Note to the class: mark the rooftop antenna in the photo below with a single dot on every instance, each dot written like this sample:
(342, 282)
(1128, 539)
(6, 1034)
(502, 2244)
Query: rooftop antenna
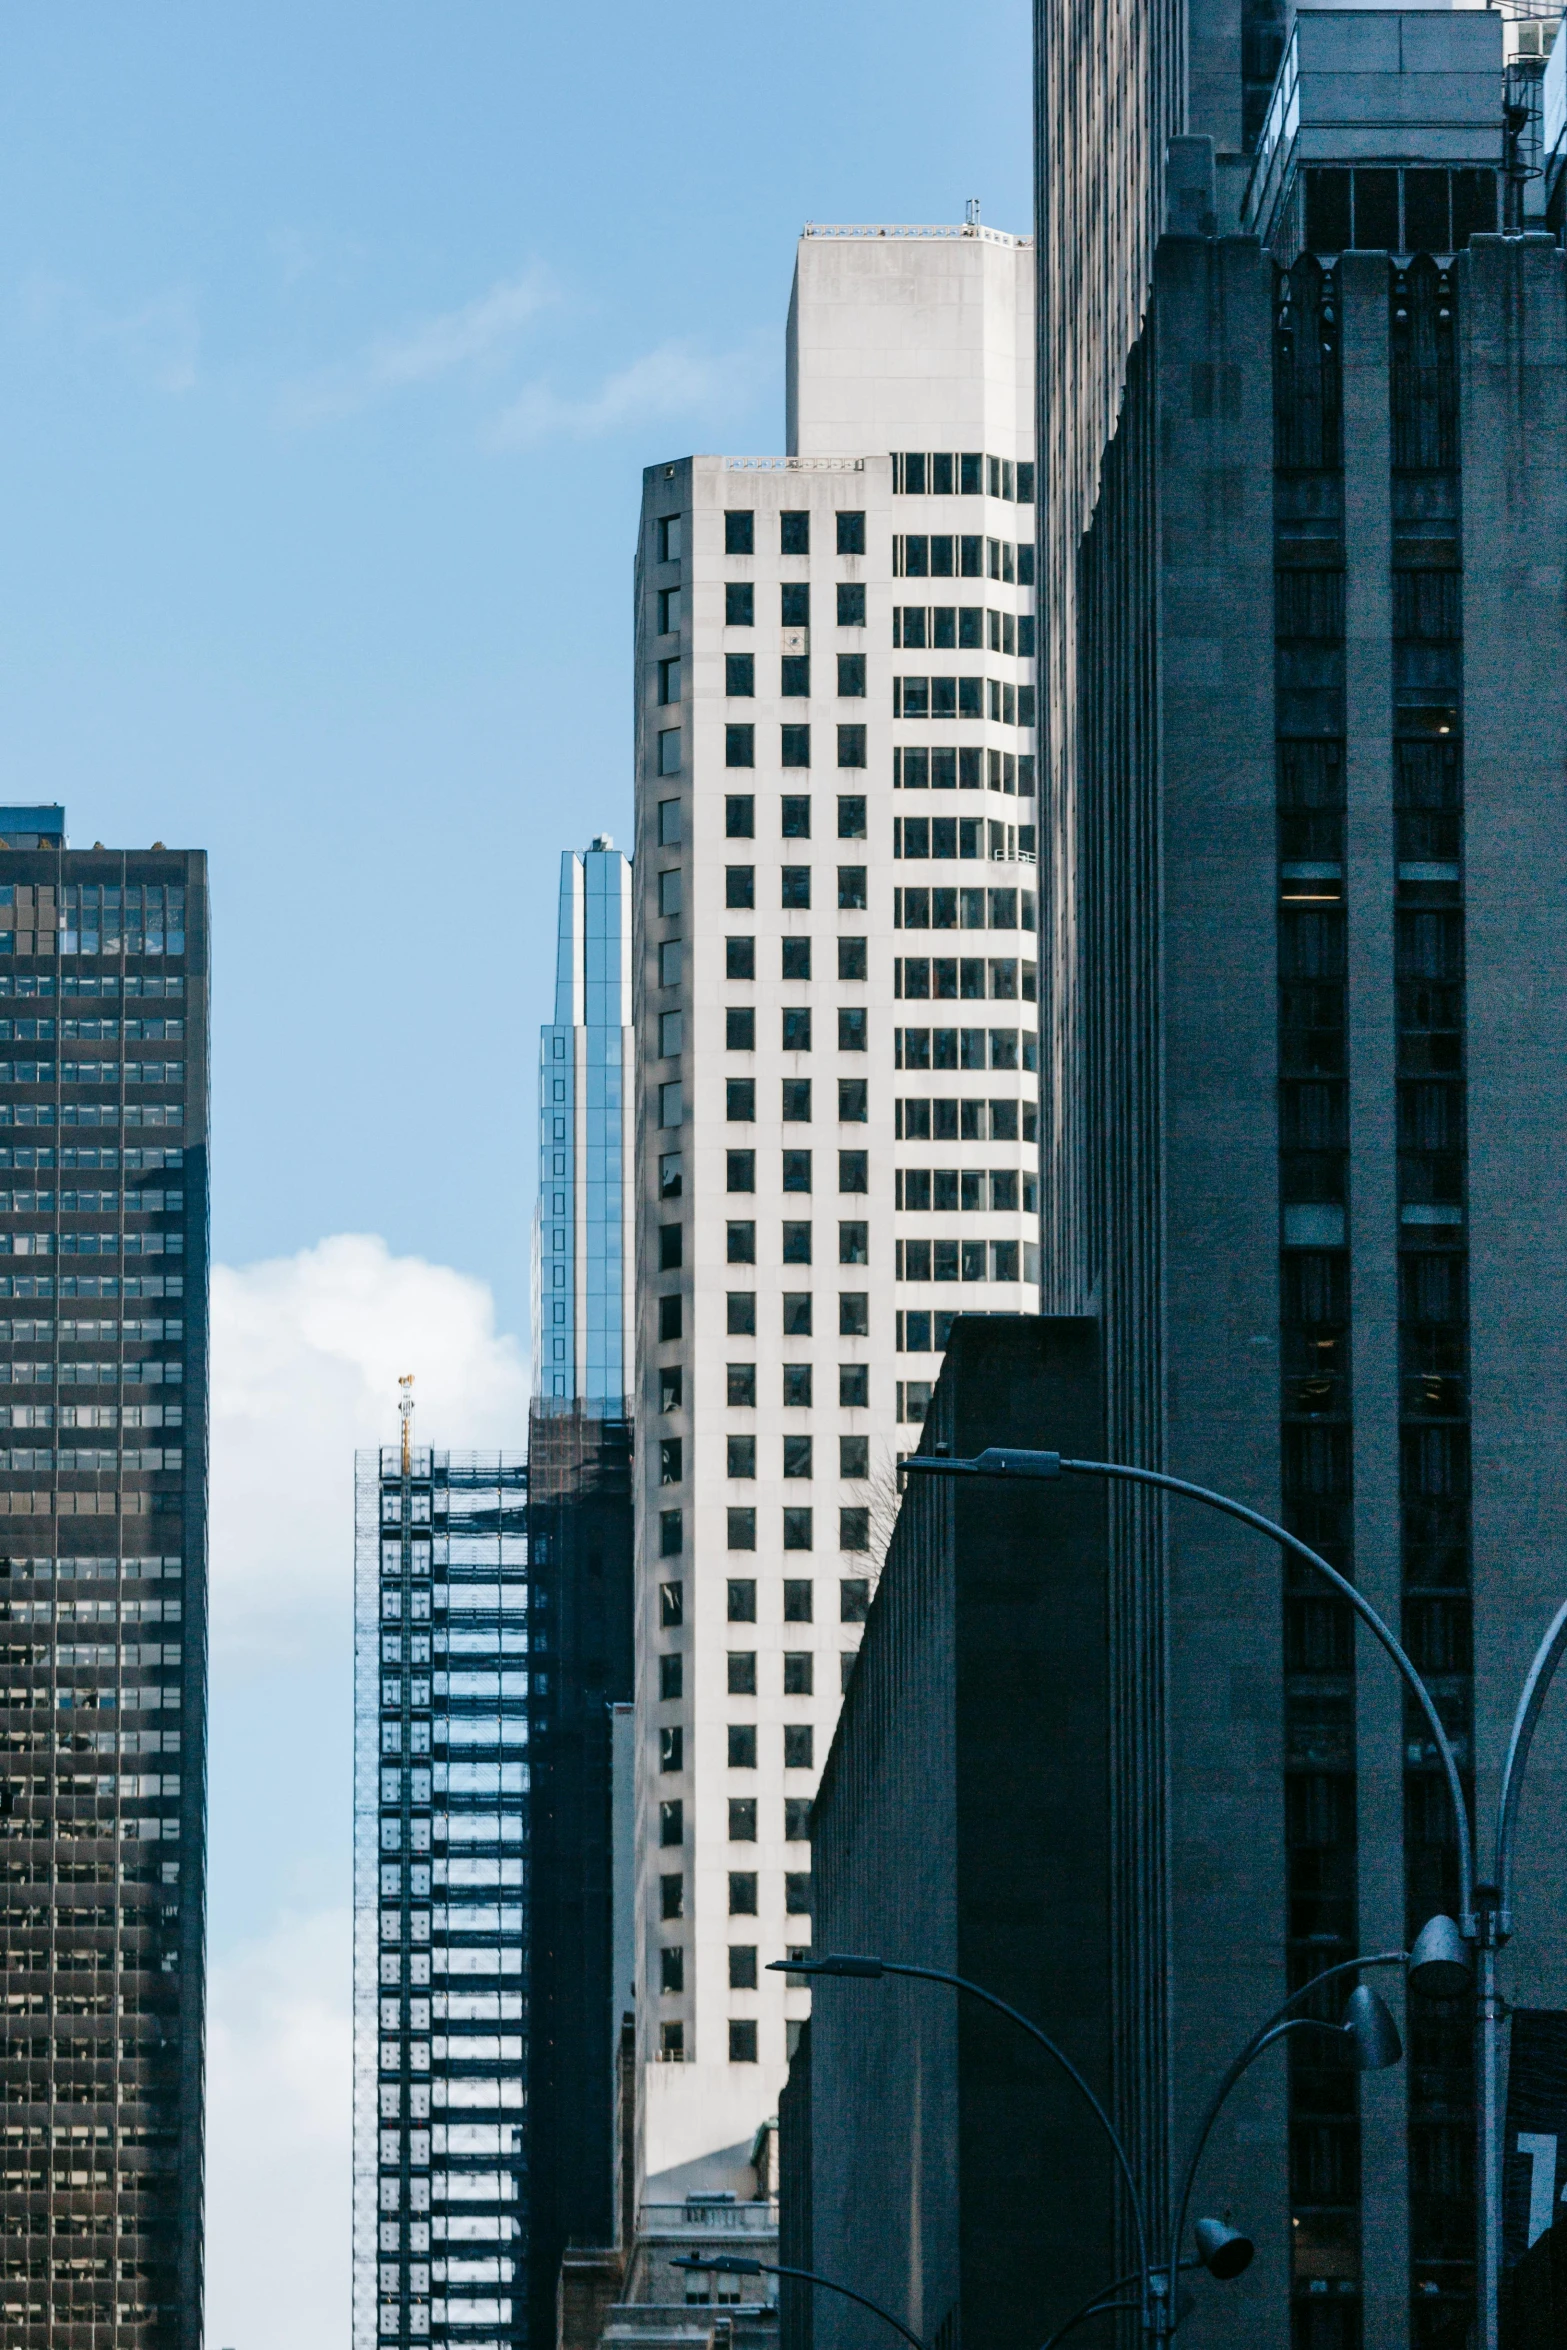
(405, 1412)
(971, 212)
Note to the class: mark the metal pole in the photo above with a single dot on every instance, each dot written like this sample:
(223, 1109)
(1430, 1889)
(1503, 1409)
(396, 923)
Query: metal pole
(1488, 2120)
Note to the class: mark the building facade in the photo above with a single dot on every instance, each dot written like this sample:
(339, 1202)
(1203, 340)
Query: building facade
(103, 1488)
(440, 1896)
(580, 1552)
(835, 1011)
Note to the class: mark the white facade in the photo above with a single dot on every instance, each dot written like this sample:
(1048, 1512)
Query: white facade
(834, 960)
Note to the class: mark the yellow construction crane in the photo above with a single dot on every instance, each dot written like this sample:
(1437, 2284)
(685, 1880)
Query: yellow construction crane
(405, 1409)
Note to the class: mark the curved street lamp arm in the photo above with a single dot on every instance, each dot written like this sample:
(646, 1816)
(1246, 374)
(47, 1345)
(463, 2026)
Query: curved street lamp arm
(1546, 1659)
(1368, 1616)
(808, 2276)
(1345, 1966)
(1248, 2056)
(929, 1974)
(1096, 2308)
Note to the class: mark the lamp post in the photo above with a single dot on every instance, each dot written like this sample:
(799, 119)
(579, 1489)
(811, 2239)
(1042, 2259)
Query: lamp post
(1485, 1919)
(737, 2264)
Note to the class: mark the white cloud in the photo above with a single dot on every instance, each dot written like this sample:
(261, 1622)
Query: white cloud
(306, 1354)
(279, 2138)
(477, 333)
(676, 379)
(158, 342)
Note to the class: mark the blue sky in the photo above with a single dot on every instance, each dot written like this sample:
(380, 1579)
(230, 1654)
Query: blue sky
(333, 341)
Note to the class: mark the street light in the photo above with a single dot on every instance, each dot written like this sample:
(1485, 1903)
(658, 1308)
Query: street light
(737, 2264)
(1485, 1919)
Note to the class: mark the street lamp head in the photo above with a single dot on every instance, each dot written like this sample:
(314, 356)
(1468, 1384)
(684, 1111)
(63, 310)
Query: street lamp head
(1369, 2025)
(729, 2264)
(832, 1963)
(1439, 1963)
(1223, 2250)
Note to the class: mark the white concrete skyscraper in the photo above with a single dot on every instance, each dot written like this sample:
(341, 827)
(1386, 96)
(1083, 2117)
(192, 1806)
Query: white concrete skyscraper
(835, 966)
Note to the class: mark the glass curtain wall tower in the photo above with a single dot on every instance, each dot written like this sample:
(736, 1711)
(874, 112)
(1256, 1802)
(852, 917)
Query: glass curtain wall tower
(103, 1588)
(440, 1896)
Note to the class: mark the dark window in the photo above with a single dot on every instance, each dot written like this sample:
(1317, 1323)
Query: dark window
(798, 1534)
(851, 1028)
(854, 1388)
(672, 1748)
(741, 1383)
(742, 1966)
(854, 1600)
(799, 1672)
(853, 1096)
(799, 1746)
(796, 818)
(739, 958)
(671, 1970)
(851, 753)
(854, 1171)
(854, 1525)
(740, 1100)
(739, 533)
(740, 1028)
(795, 884)
(670, 1319)
(851, 533)
(797, 1812)
(742, 1532)
(742, 1819)
(854, 1244)
(742, 1897)
(797, 1244)
(798, 1455)
(672, 1822)
(742, 1746)
(739, 885)
(795, 605)
(671, 1897)
(739, 816)
(669, 681)
(851, 826)
(796, 744)
(797, 1386)
(739, 604)
(796, 1101)
(670, 1249)
(797, 1313)
(797, 1028)
(854, 1316)
(851, 888)
(797, 1170)
(742, 1244)
(742, 1600)
(740, 675)
(796, 958)
(851, 688)
(671, 1533)
(742, 2032)
(794, 685)
(797, 1890)
(851, 605)
(739, 746)
(851, 956)
(797, 1602)
(671, 1605)
(742, 1313)
(1376, 211)
(742, 1672)
(971, 553)
(794, 533)
(741, 1170)
(854, 1458)
(671, 1460)
(671, 1676)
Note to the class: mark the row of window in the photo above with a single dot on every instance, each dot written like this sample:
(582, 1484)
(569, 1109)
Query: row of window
(798, 1315)
(966, 473)
(794, 888)
(799, 1673)
(742, 1822)
(1002, 1190)
(105, 989)
(92, 1203)
(799, 1455)
(794, 817)
(962, 628)
(92, 1072)
(949, 767)
(740, 960)
(794, 532)
(740, 1243)
(102, 1031)
(967, 978)
(853, 1110)
(939, 555)
(947, 1118)
(740, 605)
(965, 1048)
(799, 1602)
(962, 909)
(963, 697)
(794, 677)
(966, 1260)
(742, 2050)
(794, 747)
(799, 1385)
(795, 1173)
(92, 1114)
(796, 1028)
(103, 1156)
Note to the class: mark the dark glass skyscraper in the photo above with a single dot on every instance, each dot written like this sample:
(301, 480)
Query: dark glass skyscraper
(103, 1588)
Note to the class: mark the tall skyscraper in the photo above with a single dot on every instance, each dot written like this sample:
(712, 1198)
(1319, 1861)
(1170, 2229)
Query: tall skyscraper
(440, 1895)
(580, 1550)
(852, 1031)
(103, 1586)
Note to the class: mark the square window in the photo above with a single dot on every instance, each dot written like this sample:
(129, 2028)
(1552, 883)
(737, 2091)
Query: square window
(854, 1244)
(794, 532)
(851, 889)
(740, 1381)
(671, 1605)
(671, 1460)
(742, 2034)
(672, 2043)
(854, 1385)
(672, 1822)
(795, 887)
(672, 1748)
(796, 1101)
(795, 604)
(740, 1167)
(742, 1313)
(742, 1600)
(742, 1458)
(796, 818)
(794, 685)
(739, 603)
(671, 1388)
(739, 1029)
(739, 816)
(854, 1171)
(742, 1819)
(740, 1101)
(739, 746)
(797, 1529)
(796, 742)
(799, 1672)
(797, 1173)
(797, 1460)
(851, 533)
(799, 1746)
(797, 1892)
(742, 1966)
(854, 1457)
(797, 1819)
(851, 604)
(671, 1897)
(854, 1600)
(671, 1239)
(853, 1028)
(669, 751)
(797, 1313)
(670, 1319)
(796, 958)
(740, 676)
(853, 1102)
(854, 1316)
(739, 885)
(797, 1604)
(671, 1677)
(796, 1036)
(671, 1533)
(671, 1970)
(739, 958)
(742, 1746)
(742, 1532)
(742, 1672)
(742, 1893)
(854, 1525)
(851, 688)
(797, 1386)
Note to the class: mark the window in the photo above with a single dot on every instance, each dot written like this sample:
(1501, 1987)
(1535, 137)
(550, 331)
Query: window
(668, 533)
(739, 816)
(742, 1819)
(796, 958)
(669, 824)
(740, 1383)
(794, 685)
(797, 1890)
(739, 958)
(671, 1460)
(668, 611)
(669, 680)
(672, 1748)
(854, 1600)
(854, 1387)
(742, 1893)
(854, 1459)
(797, 1462)
(671, 1970)
(797, 1313)
(794, 533)
(797, 1535)
(742, 1244)
(742, 1672)
(799, 1746)
(739, 885)
(672, 2043)
(671, 1247)
(742, 1531)
(739, 1028)
(853, 1097)
(797, 1028)
(671, 1897)
(797, 1813)
(742, 2036)
(671, 1605)
(796, 819)
(742, 1600)
(851, 889)
(796, 1101)
(742, 1966)
(741, 1167)
(671, 1103)
(671, 1533)
(797, 1172)
(795, 883)
(742, 1313)
(742, 1746)
(851, 533)
(797, 1386)
(799, 1672)
(669, 1035)
(742, 1456)
(670, 1320)
(672, 1822)
(671, 1384)
(671, 1677)
(739, 532)
(796, 744)
(851, 687)
(851, 605)
(854, 1244)
(852, 1032)
(670, 962)
(739, 746)
(670, 896)
(740, 675)
(854, 1525)
(854, 1320)
(797, 1608)
(854, 1171)
(739, 604)
(740, 1100)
